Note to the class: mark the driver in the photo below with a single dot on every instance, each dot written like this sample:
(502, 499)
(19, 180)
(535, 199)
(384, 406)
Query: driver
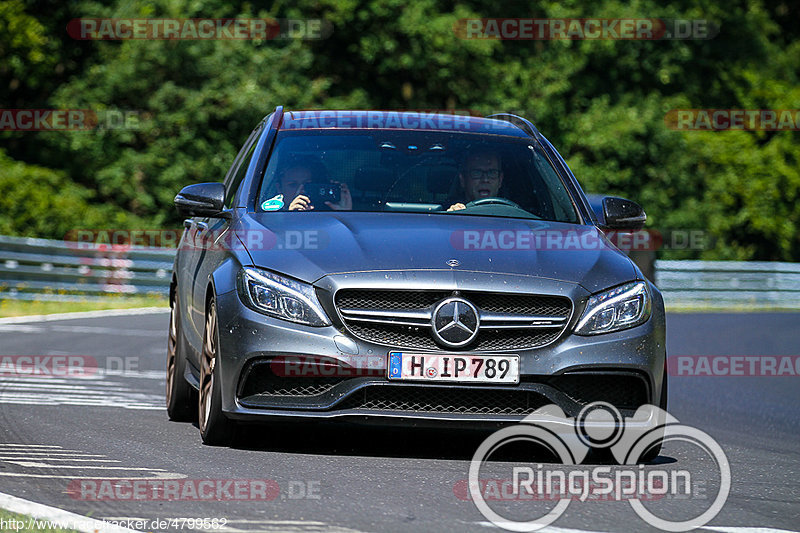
(480, 177)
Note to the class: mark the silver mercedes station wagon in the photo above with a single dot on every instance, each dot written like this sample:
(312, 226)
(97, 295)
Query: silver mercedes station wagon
(404, 268)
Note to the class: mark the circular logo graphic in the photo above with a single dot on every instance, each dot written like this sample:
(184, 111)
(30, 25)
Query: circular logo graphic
(455, 322)
(600, 425)
(431, 372)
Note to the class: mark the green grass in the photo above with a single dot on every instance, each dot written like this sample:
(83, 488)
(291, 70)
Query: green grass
(9, 308)
(6, 517)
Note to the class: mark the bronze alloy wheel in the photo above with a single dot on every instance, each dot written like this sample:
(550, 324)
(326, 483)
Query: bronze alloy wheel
(215, 428)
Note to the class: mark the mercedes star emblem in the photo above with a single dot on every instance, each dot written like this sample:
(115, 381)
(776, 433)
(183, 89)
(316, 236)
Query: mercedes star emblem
(455, 322)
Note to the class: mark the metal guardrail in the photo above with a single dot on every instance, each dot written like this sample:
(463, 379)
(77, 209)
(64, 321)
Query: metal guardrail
(726, 284)
(39, 269)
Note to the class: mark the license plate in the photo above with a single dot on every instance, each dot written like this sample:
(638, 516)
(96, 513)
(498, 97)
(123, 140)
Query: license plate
(453, 367)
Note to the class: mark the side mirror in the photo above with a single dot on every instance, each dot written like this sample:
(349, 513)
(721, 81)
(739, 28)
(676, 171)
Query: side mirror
(201, 200)
(623, 214)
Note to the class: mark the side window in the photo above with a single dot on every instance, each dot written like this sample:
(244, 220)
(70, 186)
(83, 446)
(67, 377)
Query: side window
(238, 170)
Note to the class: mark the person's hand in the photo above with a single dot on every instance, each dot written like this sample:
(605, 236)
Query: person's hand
(345, 200)
(456, 207)
(301, 202)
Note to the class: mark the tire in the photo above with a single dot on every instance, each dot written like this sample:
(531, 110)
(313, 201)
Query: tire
(179, 394)
(215, 428)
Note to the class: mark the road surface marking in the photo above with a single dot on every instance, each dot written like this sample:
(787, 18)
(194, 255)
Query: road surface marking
(84, 314)
(744, 529)
(156, 476)
(42, 460)
(721, 529)
(68, 453)
(289, 526)
(45, 512)
(9, 444)
(93, 330)
(32, 464)
(51, 459)
(92, 390)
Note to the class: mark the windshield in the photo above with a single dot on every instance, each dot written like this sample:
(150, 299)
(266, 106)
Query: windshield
(413, 171)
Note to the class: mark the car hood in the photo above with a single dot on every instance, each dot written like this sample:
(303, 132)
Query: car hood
(308, 246)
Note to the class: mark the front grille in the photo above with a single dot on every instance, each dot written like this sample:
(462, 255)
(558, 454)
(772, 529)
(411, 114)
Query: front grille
(420, 338)
(517, 304)
(401, 336)
(401, 318)
(449, 400)
(515, 339)
(393, 300)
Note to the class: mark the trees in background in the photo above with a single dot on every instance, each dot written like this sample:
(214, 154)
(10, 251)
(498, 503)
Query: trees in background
(602, 103)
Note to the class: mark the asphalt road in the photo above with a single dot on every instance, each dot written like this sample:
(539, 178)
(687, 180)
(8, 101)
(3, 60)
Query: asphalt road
(56, 431)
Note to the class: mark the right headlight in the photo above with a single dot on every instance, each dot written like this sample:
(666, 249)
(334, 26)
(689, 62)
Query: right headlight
(619, 308)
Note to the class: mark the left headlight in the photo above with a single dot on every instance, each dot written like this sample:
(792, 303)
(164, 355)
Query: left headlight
(619, 308)
(281, 297)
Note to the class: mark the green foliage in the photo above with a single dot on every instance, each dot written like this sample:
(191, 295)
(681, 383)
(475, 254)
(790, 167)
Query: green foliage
(26, 49)
(602, 103)
(40, 202)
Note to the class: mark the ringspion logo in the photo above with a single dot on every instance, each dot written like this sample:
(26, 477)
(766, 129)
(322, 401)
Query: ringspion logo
(599, 426)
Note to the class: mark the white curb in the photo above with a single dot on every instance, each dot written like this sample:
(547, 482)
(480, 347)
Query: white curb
(58, 517)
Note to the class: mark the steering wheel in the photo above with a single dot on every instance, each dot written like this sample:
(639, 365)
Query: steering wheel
(492, 200)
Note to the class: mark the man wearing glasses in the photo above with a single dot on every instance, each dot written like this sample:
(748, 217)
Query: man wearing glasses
(480, 177)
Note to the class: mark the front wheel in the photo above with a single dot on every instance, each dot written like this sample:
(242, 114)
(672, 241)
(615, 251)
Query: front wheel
(215, 428)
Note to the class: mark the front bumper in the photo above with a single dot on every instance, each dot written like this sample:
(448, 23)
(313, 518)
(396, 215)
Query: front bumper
(624, 368)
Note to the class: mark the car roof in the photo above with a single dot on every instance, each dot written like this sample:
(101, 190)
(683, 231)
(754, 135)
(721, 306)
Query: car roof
(398, 120)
